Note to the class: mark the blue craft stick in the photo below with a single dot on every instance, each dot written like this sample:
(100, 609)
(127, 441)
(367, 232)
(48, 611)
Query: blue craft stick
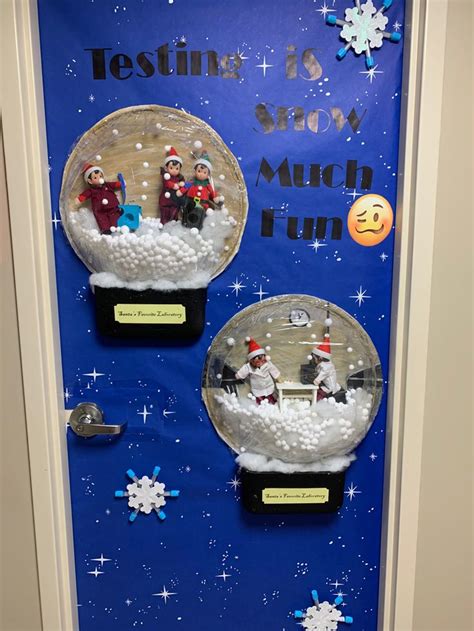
(161, 515)
(156, 471)
(315, 596)
(131, 474)
(299, 614)
(348, 619)
(341, 53)
(331, 19)
(123, 186)
(119, 493)
(369, 62)
(338, 600)
(133, 516)
(395, 37)
(387, 4)
(174, 493)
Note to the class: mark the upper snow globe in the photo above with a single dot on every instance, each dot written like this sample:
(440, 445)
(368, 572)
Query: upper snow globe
(292, 384)
(154, 204)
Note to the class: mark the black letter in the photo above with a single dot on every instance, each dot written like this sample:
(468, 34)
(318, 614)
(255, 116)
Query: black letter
(328, 175)
(116, 65)
(98, 62)
(268, 215)
(268, 173)
(321, 225)
(182, 59)
(164, 60)
(340, 119)
(145, 64)
(351, 177)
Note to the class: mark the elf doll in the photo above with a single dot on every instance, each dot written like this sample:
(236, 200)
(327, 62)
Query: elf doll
(201, 190)
(173, 192)
(104, 202)
(326, 378)
(261, 373)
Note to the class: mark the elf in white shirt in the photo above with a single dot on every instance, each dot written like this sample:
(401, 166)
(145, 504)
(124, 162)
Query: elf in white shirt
(326, 378)
(261, 373)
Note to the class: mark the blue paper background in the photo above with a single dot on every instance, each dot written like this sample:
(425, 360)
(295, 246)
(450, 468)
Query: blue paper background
(272, 562)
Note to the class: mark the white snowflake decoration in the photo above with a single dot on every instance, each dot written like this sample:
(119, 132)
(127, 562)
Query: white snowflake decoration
(364, 29)
(322, 616)
(146, 494)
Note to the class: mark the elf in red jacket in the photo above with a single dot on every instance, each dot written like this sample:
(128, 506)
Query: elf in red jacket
(104, 202)
(201, 188)
(173, 192)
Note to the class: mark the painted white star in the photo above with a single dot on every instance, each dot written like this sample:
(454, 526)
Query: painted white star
(260, 293)
(145, 413)
(340, 594)
(55, 221)
(224, 576)
(324, 10)
(354, 194)
(235, 483)
(373, 456)
(93, 374)
(96, 572)
(384, 257)
(397, 26)
(165, 594)
(351, 492)
(128, 602)
(236, 286)
(316, 244)
(101, 559)
(91, 98)
(336, 584)
(67, 395)
(361, 295)
(264, 66)
(167, 413)
(371, 74)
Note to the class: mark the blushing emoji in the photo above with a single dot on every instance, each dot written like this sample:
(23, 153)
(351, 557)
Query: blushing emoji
(370, 220)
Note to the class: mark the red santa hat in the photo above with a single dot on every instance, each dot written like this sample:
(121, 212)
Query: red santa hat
(172, 154)
(204, 160)
(254, 349)
(88, 169)
(323, 350)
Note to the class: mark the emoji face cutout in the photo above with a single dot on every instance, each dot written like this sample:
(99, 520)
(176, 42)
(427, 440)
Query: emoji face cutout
(370, 220)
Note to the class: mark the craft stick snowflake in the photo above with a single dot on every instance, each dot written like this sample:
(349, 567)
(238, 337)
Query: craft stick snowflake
(322, 616)
(146, 494)
(364, 29)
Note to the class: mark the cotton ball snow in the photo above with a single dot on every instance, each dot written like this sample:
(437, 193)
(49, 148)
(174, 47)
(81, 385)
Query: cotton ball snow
(197, 144)
(166, 176)
(328, 322)
(230, 341)
(138, 146)
(98, 158)
(115, 132)
(145, 184)
(143, 198)
(167, 148)
(146, 165)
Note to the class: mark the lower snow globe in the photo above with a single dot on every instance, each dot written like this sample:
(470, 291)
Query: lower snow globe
(292, 384)
(154, 204)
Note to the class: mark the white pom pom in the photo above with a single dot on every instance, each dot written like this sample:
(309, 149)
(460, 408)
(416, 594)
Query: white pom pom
(167, 195)
(167, 147)
(326, 335)
(349, 349)
(268, 335)
(98, 158)
(197, 144)
(309, 357)
(269, 320)
(268, 348)
(115, 132)
(226, 248)
(230, 341)
(360, 362)
(313, 336)
(146, 165)
(309, 325)
(351, 366)
(143, 197)
(101, 180)
(194, 231)
(222, 177)
(138, 146)
(328, 321)
(166, 176)
(209, 211)
(145, 184)
(113, 229)
(105, 201)
(247, 339)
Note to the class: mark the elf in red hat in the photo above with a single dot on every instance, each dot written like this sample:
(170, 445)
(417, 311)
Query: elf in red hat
(326, 378)
(104, 202)
(173, 192)
(261, 373)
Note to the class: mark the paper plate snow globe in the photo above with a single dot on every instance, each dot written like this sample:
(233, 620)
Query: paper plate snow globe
(292, 384)
(154, 204)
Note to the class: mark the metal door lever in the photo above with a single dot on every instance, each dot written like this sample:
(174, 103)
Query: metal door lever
(87, 420)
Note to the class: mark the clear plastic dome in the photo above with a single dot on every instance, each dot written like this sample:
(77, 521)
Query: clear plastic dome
(315, 416)
(150, 253)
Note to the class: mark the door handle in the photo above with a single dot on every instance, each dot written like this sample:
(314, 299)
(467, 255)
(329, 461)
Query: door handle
(87, 420)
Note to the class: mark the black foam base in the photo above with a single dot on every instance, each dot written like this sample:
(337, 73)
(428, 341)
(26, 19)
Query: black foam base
(278, 493)
(192, 303)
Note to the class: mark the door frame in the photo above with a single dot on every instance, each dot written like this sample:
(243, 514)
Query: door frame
(30, 218)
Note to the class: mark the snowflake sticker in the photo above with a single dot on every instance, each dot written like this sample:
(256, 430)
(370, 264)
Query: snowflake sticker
(322, 616)
(146, 494)
(364, 29)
